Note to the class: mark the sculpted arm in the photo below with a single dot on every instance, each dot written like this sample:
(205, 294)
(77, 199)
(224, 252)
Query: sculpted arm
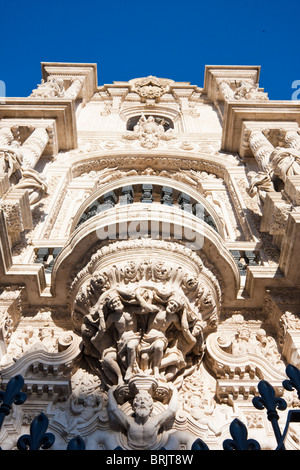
(114, 409)
(171, 410)
(185, 329)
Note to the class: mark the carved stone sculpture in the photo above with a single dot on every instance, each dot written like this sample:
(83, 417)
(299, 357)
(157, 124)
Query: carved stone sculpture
(260, 184)
(35, 184)
(285, 162)
(149, 132)
(130, 336)
(249, 91)
(145, 317)
(151, 88)
(10, 158)
(51, 88)
(143, 427)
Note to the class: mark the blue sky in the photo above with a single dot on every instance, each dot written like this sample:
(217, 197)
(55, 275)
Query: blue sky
(134, 38)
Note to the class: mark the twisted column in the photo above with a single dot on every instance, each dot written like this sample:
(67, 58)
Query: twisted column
(34, 146)
(292, 139)
(74, 89)
(6, 136)
(261, 149)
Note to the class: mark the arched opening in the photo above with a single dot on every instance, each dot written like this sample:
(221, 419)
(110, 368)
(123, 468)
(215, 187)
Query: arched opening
(167, 123)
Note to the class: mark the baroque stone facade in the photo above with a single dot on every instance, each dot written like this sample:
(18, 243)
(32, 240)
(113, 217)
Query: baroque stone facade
(149, 242)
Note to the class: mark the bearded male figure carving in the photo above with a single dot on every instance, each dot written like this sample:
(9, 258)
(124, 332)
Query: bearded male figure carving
(142, 428)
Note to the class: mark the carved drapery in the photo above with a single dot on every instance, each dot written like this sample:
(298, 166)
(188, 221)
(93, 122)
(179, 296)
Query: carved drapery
(285, 162)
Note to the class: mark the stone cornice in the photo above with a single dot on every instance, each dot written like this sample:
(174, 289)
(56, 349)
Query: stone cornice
(62, 111)
(69, 71)
(237, 113)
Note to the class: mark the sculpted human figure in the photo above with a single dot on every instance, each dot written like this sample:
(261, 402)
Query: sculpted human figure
(128, 339)
(154, 341)
(186, 341)
(242, 344)
(142, 428)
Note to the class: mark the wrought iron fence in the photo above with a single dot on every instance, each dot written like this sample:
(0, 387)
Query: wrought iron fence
(39, 438)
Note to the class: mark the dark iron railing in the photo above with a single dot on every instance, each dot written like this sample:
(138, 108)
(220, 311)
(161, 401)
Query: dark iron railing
(39, 438)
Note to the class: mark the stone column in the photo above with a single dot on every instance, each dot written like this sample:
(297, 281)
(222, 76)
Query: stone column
(292, 139)
(6, 136)
(292, 183)
(74, 89)
(34, 146)
(261, 149)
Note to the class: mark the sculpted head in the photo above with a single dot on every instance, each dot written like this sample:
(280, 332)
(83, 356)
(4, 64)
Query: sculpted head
(114, 302)
(142, 404)
(175, 303)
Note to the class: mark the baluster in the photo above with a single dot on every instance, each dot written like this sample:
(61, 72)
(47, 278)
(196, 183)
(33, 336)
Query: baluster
(147, 196)
(127, 195)
(166, 196)
(184, 202)
(109, 201)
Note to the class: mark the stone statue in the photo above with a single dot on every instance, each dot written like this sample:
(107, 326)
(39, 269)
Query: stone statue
(149, 330)
(149, 132)
(128, 338)
(175, 357)
(154, 341)
(143, 427)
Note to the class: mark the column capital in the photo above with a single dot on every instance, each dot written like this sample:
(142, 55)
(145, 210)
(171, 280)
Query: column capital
(69, 72)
